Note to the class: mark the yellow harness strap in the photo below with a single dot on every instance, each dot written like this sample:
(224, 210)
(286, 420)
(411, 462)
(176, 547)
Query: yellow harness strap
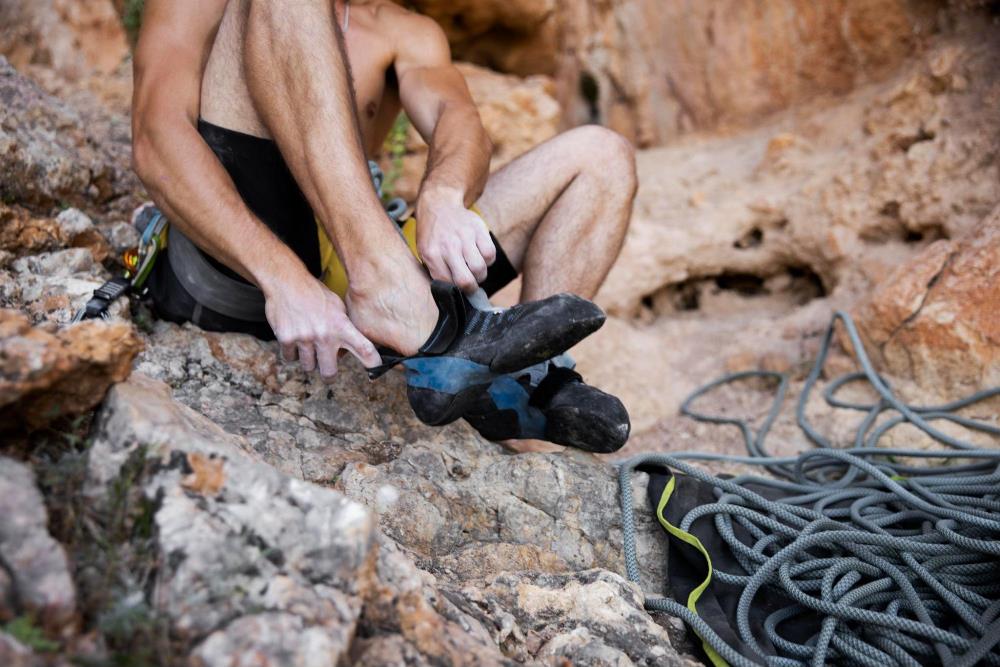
(335, 276)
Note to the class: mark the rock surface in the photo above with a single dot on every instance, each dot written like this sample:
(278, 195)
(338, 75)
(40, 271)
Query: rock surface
(73, 38)
(935, 319)
(796, 218)
(45, 375)
(34, 564)
(47, 157)
(222, 508)
(908, 161)
(15, 654)
(256, 562)
(654, 69)
(481, 509)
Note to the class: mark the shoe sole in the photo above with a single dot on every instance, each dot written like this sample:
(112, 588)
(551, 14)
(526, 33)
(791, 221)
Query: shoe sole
(573, 427)
(436, 408)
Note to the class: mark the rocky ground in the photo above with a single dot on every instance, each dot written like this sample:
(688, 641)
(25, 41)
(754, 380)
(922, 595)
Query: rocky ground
(171, 496)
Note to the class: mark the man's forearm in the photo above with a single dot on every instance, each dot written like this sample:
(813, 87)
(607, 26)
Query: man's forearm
(193, 189)
(298, 77)
(459, 161)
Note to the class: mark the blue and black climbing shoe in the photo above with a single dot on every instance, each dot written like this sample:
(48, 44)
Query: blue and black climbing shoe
(502, 340)
(470, 346)
(559, 407)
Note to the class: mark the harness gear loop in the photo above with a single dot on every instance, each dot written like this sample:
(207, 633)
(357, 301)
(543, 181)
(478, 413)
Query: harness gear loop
(138, 265)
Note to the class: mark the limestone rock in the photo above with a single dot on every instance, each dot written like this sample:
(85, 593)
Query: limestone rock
(53, 286)
(22, 233)
(517, 37)
(294, 422)
(742, 245)
(254, 562)
(40, 274)
(271, 638)
(935, 318)
(461, 504)
(71, 37)
(44, 375)
(832, 192)
(653, 69)
(34, 562)
(15, 654)
(590, 617)
(518, 113)
(121, 236)
(455, 511)
(74, 222)
(410, 621)
(477, 511)
(278, 569)
(47, 156)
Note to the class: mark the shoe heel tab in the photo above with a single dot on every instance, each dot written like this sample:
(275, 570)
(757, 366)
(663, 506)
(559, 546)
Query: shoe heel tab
(452, 312)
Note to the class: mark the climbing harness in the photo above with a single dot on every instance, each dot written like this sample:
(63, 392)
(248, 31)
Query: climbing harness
(849, 556)
(138, 263)
(209, 286)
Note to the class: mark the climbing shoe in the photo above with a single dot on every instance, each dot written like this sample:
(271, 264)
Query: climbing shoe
(554, 405)
(470, 346)
(503, 340)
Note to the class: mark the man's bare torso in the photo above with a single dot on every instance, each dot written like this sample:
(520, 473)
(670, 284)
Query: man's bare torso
(371, 50)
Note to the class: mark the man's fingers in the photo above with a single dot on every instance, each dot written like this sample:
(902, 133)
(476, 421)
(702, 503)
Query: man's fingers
(460, 273)
(326, 358)
(486, 246)
(475, 261)
(437, 267)
(359, 346)
(307, 357)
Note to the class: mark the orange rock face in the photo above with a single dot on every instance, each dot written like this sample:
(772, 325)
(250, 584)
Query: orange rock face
(46, 375)
(937, 318)
(652, 69)
(21, 233)
(72, 37)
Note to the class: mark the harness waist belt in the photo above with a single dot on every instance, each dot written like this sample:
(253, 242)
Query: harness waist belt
(209, 286)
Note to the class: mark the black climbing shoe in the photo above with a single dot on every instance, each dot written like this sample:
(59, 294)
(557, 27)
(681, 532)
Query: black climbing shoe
(560, 408)
(469, 347)
(504, 340)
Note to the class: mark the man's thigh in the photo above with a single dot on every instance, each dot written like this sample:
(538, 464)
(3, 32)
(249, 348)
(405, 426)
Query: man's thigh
(518, 195)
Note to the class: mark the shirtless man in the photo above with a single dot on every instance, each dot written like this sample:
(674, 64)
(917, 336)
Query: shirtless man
(252, 117)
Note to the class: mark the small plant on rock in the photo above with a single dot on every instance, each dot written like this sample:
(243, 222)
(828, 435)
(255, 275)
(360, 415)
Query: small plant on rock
(24, 630)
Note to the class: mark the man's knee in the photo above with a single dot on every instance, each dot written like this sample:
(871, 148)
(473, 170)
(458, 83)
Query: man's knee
(609, 155)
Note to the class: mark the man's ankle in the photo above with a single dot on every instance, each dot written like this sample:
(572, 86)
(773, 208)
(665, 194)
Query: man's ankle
(397, 312)
(370, 276)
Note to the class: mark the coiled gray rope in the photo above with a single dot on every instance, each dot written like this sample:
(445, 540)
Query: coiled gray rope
(902, 562)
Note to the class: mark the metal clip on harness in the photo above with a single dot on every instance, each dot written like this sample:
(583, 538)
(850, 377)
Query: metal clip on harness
(138, 265)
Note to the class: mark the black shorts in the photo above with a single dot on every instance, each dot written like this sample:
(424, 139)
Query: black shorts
(267, 187)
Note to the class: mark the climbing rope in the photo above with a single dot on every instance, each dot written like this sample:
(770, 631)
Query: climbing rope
(900, 562)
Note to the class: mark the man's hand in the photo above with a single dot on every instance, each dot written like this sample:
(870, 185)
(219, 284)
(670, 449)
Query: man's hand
(311, 324)
(454, 243)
